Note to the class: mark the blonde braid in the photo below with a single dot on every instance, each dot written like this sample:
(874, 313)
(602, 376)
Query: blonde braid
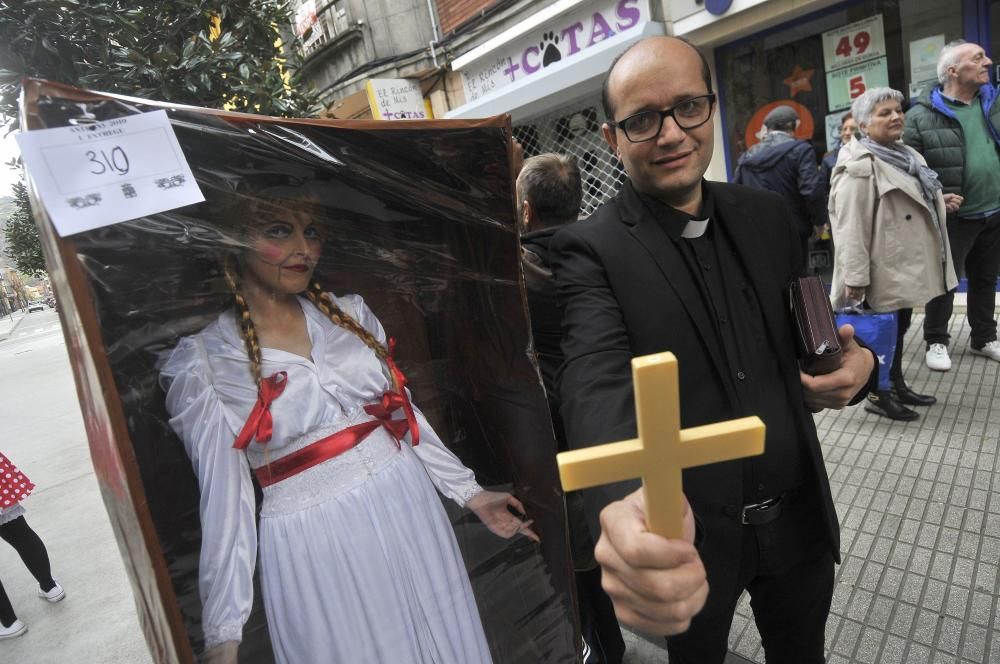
(247, 330)
(340, 318)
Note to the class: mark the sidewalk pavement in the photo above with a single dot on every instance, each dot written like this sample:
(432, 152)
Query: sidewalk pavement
(10, 322)
(919, 507)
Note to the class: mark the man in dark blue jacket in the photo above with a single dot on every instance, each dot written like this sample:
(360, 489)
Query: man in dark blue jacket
(787, 166)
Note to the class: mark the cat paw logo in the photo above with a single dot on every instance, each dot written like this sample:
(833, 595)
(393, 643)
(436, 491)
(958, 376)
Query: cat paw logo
(549, 47)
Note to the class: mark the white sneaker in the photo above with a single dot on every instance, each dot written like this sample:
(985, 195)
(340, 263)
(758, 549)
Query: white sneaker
(937, 358)
(56, 594)
(16, 629)
(990, 350)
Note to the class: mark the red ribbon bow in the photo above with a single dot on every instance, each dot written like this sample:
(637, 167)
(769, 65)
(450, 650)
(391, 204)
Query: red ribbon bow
(392, 401)
(260, 425)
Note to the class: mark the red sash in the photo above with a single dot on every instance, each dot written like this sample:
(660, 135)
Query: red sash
(259, 425)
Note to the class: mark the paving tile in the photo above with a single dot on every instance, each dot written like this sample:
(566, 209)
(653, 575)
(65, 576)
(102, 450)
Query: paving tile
(920, 561)
(869, 646)
(981, 609)
(881, 610)
(892, 650)
(926, 627)
(933, 597)
(951, 630)
(941, 565)
(860, 602)
(957, 602)
(847, 639)
(962, 573)
(892, 580)
(918, 654)
(974, 643)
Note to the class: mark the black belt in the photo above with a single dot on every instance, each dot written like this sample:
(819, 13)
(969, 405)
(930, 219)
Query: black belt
(764, 512)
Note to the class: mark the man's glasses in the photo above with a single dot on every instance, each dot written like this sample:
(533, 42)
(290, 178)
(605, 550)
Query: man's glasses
(646, 126)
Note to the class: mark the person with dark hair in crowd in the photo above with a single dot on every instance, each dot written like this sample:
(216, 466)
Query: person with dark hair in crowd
(701, 269)
(14, 529)
(787, 166)
(549, 192)
(848, 128)
(956, 127)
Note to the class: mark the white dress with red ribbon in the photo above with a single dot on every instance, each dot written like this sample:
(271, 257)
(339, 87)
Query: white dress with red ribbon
(359, 562)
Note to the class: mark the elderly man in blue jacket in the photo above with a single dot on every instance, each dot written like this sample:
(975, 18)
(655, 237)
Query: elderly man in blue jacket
(787, 166)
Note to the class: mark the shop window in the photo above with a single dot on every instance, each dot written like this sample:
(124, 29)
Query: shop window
(820, 64)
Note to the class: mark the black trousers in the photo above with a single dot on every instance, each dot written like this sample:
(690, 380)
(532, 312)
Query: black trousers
(29, 546)
(975, 249)
(790, 602)
(903, 317)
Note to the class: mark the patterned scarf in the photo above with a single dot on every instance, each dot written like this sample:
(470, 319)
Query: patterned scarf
(899, 156)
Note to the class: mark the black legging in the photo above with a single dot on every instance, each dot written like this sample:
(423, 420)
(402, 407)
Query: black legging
(903, 317)
(29, 546)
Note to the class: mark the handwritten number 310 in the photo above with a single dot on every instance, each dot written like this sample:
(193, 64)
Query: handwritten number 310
(116, 161)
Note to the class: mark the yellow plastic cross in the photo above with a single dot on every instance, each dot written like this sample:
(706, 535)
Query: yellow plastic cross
(662, 449)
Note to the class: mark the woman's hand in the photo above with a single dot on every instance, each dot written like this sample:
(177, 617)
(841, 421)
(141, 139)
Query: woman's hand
(854, 294)
(952, 202)
(222, 653)
(491, 508)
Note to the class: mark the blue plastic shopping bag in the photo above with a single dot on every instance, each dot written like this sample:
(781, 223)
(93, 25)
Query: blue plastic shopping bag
(878, 331)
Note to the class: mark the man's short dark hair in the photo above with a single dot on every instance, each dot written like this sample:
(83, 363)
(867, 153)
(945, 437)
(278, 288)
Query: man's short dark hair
(551, 183)
(609, 110)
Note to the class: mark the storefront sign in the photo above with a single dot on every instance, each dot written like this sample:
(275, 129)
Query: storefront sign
(396, 99)
(854, 43)
(923, 58)
(305, 17)
(845, 85)
(562, 39)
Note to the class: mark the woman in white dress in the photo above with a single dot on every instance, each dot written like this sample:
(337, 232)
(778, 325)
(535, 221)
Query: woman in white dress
(359, 562)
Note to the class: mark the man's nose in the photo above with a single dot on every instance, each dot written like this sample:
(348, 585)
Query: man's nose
(670, 132)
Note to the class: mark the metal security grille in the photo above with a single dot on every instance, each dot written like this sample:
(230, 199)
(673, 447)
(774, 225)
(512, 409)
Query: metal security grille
(575, 130)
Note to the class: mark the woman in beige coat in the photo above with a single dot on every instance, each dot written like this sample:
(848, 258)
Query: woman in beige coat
(887, 213)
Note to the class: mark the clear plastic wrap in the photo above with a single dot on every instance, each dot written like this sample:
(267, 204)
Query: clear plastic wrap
(418, 239)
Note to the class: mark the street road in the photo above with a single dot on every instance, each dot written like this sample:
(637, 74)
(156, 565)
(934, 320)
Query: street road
(43, 435)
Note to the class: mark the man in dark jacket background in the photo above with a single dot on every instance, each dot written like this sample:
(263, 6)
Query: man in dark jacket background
(956, 127)
(549, 192)
(787, 166)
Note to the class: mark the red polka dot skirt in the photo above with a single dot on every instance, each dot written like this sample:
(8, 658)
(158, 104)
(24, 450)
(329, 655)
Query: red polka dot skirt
(14, 486)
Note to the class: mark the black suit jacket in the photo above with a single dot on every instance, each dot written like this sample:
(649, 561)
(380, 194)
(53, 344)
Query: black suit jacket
(625, 291)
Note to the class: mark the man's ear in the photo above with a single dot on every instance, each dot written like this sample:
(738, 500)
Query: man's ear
(527, 215)
(610, 137)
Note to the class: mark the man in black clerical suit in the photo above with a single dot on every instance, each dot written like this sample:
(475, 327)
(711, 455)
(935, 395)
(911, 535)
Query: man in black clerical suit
(701, 269)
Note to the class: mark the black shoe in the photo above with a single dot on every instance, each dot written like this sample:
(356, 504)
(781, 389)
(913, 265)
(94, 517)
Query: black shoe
(882, 402)
(905, 395)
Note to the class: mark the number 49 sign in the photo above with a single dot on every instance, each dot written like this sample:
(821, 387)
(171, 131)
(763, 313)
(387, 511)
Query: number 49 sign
(853, 44)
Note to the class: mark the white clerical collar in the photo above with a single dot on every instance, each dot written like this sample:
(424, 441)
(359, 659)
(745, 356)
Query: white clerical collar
(695, 228)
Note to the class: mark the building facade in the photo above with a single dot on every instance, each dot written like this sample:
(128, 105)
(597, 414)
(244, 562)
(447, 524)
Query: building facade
(543, 62)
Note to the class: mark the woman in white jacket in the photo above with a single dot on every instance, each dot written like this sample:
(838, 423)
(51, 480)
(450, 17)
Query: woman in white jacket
(887, 213)
(359, 562)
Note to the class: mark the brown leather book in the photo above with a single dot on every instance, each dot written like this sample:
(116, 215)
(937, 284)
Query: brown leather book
(819, 343)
